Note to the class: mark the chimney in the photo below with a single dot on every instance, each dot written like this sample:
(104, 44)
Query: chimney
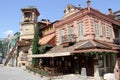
(110, 11)
(88, 5)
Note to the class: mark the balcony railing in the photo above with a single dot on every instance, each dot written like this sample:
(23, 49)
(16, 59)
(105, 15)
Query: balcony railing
(27, 19)
(116, 41)
(68, 38)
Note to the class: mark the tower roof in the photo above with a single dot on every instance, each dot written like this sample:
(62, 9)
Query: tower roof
(32, 9)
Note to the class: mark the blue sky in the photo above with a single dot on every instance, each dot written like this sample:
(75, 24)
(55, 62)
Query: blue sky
(10, 13)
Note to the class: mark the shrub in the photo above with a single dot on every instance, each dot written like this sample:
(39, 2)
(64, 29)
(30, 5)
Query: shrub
(37, 70)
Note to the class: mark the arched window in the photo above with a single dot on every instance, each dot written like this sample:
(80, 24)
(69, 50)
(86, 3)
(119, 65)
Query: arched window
(27, 15)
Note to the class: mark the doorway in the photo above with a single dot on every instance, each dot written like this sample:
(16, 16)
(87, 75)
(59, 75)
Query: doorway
(88, 63)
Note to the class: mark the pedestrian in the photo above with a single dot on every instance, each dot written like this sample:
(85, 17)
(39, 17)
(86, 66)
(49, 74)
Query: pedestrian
(40, 63)
(117, 69)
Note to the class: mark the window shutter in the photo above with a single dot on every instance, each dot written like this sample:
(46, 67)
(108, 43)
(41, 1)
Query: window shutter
(80, 30)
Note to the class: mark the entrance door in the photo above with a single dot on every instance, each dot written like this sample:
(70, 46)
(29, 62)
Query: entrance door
(88, 63)
(90, 66)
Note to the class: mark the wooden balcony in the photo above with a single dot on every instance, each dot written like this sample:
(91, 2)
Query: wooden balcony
(68, 40)
(24, 43)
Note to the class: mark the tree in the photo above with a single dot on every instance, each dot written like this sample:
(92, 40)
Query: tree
(35, 45)
(0, 43)
(0, 46)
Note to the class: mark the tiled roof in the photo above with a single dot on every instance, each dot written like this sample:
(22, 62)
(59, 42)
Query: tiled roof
(92, 44)
(60, 48)
(87, 46)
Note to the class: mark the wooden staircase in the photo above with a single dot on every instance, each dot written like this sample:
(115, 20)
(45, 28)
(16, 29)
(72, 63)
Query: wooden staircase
(10, 54)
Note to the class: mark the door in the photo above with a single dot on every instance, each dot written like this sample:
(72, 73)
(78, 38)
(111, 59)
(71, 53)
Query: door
(90, 66)
(88, 63)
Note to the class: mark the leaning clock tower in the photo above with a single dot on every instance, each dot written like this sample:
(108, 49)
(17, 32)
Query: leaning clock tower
(29, 20)
(27, 30)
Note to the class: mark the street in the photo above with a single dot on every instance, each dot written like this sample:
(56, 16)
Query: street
(19, 73)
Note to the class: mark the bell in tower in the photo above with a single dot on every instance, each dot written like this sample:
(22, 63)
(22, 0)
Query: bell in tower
(27, 17)
(30, 14)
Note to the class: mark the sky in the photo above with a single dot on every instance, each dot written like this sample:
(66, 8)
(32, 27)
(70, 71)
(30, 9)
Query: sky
(11, 15)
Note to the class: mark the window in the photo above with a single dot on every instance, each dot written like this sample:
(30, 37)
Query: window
(27, 15)
(61, 33)
(70, 30)
(103, 31)
(110, 32)
(96, 27)
(101, 61)
(117, 17)
(80, 30)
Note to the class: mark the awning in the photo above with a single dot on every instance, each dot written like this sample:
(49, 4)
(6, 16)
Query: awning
(50, 55)
(46, 39)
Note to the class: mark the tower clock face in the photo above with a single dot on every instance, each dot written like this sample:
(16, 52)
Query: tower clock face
(27, 29)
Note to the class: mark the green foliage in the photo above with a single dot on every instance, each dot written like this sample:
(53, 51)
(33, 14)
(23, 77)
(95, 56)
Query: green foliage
(37, 70)
(35, 62)
(42, 49)
(35, 41)
(0, 43)
(35, 45)
(0, 46)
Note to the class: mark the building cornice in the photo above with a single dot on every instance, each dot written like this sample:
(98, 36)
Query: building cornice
(83, 13)
(27, 23)
(103, 16)
(72, 17)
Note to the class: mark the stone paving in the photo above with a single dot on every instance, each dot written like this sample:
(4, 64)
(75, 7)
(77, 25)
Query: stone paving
(18, 73)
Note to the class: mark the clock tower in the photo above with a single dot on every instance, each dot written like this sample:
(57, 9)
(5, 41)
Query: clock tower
(29, 20)
(27, 30)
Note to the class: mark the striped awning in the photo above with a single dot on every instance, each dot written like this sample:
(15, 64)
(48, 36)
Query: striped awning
(46, 39)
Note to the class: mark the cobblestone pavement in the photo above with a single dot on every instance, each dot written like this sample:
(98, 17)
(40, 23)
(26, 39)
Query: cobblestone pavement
(17, 73)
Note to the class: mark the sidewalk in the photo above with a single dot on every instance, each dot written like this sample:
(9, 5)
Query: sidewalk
(72, 77)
